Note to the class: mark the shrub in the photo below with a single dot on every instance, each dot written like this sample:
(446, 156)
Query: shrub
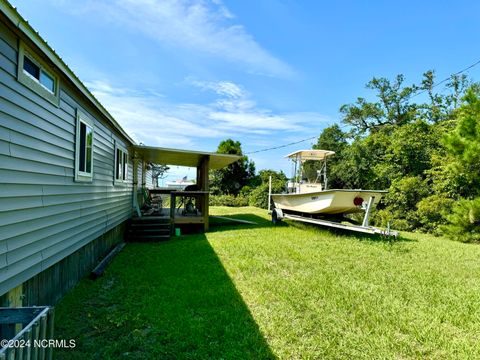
(433, 211)
(228, 200)
(400, 203)
(384, 216)
(259, 197)
(464, 221)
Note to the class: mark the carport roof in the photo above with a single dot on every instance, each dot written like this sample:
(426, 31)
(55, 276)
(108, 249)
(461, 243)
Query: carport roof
(179, 157)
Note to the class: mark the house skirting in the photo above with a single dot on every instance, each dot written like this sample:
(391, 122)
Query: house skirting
(49, 286)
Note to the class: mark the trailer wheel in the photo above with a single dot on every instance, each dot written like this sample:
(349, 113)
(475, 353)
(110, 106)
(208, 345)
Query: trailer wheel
(276, 216)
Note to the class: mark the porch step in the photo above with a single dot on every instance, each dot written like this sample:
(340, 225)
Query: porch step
(148, 229)
(152, 231)
(149, 238)
(151, 220)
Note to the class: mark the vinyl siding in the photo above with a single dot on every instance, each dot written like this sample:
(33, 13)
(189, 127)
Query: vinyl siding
(148, 176)
(148, 179)
(44, 214)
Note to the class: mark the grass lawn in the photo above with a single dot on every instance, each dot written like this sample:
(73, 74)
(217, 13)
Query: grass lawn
(290, 291)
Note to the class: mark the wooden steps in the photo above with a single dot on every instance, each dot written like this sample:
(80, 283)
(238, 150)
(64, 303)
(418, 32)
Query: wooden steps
(148, 229)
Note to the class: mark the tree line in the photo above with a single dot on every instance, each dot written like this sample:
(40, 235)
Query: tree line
(420, 141)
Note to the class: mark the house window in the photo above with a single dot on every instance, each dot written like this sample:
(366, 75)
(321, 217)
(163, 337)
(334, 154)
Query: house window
(35, 74)
(121, 164)
(84, 148)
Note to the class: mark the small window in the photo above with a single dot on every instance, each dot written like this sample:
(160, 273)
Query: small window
(47, 81)
(84, 148)
(121, 164)
(35, 74)
(31, 68)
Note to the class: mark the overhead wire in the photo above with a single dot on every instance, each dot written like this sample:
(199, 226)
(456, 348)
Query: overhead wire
(346, 125)
(448, 78)
(281, 146)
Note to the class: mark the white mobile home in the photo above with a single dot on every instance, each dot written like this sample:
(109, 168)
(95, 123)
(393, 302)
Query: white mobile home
(68, 171)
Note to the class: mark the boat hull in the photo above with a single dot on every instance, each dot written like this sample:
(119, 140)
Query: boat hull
(329, 202)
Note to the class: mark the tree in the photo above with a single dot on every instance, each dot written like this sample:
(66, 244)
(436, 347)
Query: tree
(459, 85)
(259, 196)
(397, 144)
(401, 201)
(358, 166)
(230, 180)
(334, 139)
(408, 151)
(392, 108)
(463, 147)
(464, 144)
(436, 110)
(441, 107)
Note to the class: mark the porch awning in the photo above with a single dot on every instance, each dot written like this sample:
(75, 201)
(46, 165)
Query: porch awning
(189, 158)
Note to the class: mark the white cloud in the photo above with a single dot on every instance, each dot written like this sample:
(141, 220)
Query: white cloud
(255, 120)
(151, 119)
(205, 27)
(236, 110)
(222, 88)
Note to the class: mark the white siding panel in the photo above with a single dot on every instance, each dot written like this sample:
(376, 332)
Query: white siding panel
(44, 214)
(8, 176)
(20, 202)
(17, 93)
(41, 156)
(7, 51)
(14, 190)
(22, 121)
(4, 134)
(4, 147)
(31, 166)
(7, 64)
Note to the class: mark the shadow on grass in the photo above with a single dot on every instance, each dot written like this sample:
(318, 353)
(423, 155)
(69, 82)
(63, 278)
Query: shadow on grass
(217, 224)
(351, 234)
(221, 224)
(171, 300)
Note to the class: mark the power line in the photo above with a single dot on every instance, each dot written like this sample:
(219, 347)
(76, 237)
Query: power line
(448, 78)
(346, 125)
(281, 146)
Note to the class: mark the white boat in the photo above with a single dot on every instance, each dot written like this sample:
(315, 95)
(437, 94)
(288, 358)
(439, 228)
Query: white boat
(314, 198)
(179, 184)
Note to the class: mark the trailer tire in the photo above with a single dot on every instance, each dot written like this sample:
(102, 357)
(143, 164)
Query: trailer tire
(277, 216)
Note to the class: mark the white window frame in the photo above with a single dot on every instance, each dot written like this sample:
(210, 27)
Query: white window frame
(33, 83)
(123, 178)
(83, 176)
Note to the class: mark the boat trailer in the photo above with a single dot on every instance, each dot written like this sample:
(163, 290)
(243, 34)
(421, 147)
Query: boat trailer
(278, 215)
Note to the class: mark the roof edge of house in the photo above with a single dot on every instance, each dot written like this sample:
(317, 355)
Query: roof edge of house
(25, 28)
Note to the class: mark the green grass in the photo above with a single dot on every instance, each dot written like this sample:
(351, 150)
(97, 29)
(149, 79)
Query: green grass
(290, 291)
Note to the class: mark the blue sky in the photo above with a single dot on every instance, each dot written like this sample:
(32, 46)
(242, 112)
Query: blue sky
(190, 73)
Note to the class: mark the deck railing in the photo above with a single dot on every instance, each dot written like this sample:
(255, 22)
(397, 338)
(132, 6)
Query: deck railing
(34, 339)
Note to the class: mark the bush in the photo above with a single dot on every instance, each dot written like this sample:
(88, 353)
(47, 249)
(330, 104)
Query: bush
(384, 216)
(228, 200)
(464, 221)
(259, 197)
(400, 204)
(432, 212)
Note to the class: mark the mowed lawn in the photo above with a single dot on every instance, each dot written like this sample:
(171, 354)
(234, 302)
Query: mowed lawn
(289, 292)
